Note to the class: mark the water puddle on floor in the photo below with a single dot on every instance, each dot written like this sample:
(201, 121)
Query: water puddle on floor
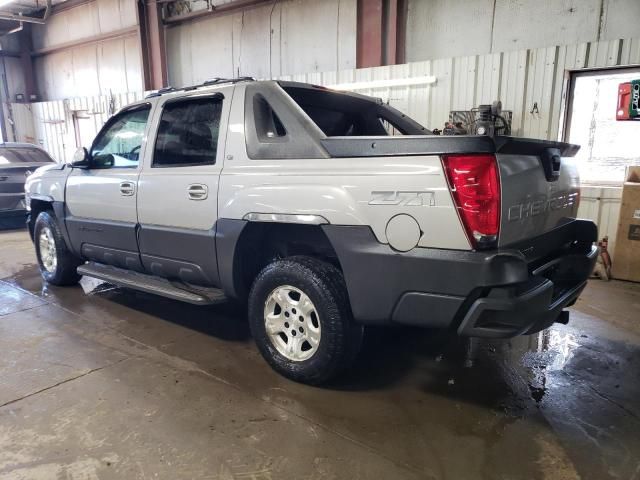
(554, 350)
(92, 286)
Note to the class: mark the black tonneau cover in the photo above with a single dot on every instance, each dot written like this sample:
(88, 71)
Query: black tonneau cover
(440, 145)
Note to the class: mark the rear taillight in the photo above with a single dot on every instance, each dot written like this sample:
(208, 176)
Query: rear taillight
(475, 185)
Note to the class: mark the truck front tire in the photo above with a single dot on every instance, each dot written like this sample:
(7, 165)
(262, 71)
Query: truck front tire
(57, 264)
(301, 320)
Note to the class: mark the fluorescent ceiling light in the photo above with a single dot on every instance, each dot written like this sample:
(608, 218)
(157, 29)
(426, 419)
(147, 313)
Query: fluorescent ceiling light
(398, 82)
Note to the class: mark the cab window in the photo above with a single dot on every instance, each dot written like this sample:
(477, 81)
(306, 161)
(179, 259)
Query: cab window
(119, 143)
(188, 132)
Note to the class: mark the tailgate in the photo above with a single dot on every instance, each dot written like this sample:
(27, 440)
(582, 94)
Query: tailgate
(540, 187)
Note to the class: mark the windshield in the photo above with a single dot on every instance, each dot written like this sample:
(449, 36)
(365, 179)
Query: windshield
(122, 138)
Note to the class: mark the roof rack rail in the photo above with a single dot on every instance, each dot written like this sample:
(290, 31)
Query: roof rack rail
(206, 83)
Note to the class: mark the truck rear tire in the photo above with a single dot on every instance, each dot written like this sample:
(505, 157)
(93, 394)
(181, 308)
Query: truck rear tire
(301, 320)
(57, 264)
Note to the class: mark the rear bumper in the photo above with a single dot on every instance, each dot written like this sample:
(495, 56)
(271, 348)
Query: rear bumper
(508, 311)
(500, 293)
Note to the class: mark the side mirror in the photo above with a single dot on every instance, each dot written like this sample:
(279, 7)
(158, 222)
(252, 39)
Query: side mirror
(81, 158)
(105, 160)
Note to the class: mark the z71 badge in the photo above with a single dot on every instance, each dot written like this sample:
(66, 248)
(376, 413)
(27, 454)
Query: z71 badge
(407, 199)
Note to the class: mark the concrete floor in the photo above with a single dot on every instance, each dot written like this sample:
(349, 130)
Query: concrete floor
(123, 385)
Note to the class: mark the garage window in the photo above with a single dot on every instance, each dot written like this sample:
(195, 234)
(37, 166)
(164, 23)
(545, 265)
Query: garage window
(188, 133)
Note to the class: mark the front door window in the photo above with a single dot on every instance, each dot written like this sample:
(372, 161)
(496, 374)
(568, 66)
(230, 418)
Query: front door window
(119, 143)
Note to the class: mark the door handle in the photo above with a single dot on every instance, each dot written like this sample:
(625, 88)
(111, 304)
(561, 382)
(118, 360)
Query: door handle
(127, 189)
(198, 191)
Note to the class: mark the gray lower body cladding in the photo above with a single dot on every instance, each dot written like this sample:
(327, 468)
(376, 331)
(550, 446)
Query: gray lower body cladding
(108, 242)
(502, 293)
(185, 254)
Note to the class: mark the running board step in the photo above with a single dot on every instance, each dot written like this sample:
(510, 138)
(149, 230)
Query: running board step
(152, 284)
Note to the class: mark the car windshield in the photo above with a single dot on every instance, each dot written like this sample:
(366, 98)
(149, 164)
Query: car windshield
(23, 155)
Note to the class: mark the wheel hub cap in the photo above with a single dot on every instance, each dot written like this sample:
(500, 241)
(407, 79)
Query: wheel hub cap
(292, 323)
(47, 250)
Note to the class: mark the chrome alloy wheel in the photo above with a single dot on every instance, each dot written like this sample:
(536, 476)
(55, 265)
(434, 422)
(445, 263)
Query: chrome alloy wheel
(47, 250)
(292, 323)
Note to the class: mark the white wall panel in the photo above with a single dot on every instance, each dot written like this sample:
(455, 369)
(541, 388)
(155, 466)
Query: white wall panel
(95, 68)
(488, 82)
(630, 51)
(537, 114)
(252, 35)
(24, 123)
(283, 38)
(443, 28)
(448, 28)
(317, 36)
(112, 65)
(542, 23)
(465, 71)
(512, 92)
(84, 21)
(620, 19)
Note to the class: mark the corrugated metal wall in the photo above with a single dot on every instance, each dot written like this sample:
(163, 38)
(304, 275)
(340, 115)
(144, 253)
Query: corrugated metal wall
(64, 68)
(463, 27)
(279, 38)
(519, 78)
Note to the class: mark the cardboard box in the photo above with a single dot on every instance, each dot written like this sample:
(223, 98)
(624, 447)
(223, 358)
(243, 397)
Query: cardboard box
(626, 265)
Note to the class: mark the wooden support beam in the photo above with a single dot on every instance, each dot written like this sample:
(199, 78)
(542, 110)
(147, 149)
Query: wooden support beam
(152, 42)
(381, 32)
(369, 34)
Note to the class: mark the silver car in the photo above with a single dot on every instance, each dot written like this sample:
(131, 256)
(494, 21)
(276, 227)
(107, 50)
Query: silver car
(17, 162)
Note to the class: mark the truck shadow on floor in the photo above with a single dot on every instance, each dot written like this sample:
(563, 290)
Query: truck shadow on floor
(437, 361)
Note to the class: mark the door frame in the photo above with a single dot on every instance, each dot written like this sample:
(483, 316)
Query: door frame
(568, 86)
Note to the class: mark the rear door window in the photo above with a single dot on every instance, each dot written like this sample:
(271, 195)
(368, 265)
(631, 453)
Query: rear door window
(188, 132)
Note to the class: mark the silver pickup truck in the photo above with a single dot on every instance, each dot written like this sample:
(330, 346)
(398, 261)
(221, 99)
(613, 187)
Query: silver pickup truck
(325, 211)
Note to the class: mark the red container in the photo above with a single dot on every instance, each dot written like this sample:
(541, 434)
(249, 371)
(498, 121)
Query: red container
(624, 101)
